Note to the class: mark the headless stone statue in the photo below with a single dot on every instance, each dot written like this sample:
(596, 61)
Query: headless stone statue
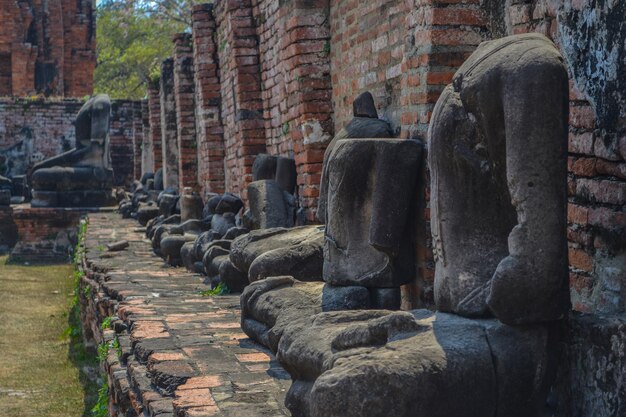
(81, 177)
(367, 201)
(497, 156)
(498, 140)
(270, 194)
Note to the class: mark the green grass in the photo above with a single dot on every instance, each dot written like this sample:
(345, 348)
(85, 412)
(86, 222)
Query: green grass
(43, 358)
(220, 289)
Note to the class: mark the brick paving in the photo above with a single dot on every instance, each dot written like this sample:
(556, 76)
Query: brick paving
(181, 354)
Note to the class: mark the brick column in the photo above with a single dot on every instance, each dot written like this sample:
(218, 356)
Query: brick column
(154, 117)
(185, 111)
(308, 120)
(137, 139)
(147, 147)
(242, 107)
(121, 142)
(169, 128)
(208, 100)
(444, 35)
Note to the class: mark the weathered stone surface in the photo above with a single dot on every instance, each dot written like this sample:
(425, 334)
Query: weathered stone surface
(215, 250)
(187, 256)
(80, 177)
(385, 298)
(264, 167)
(5, 183)
(167, 204)
(364, 106)
(304, 261)
(235, 232)
(221, 223)
(335, 298)
(192, 226)
(270, 205)
(592, 39)
(362, 357)
(5, 197)
(229, 203)
(191, 205)
(370, 232)
(592, 367)
(171, 245)
(213, 263)
(160, 221)
(277, 168)
(211, 205)
(117, 246)
(268, 305)
(286, 174)
(146, 212)
(158, 179)
(203, 241)
(232, 277)
(280, 250)
(146, 176)
(498, 145)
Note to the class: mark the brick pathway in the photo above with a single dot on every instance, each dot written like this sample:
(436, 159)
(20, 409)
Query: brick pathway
(181, 354)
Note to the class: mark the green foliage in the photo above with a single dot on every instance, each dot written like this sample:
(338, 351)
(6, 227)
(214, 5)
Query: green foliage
(79, 250)
(87, 291)
(133, 38)
(104, 348)
(115, 344)
(106, 323)
(220, 289)
(101, 409)
(285, 128)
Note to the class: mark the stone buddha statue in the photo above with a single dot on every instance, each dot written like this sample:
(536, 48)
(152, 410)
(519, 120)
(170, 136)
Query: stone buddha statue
(497, 157)
(82, 176)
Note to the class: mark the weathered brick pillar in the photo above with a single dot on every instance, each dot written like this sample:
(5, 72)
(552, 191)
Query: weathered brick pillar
(242, 106)
(308, 121)
(154, 115)
(137, 139)
(147, 147)
(445, 35)
(209, 129)
(185, 111)
(169, 128)
(121, 142)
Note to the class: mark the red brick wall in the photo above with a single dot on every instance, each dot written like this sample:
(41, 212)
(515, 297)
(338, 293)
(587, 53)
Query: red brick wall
(296, 87)
(46, 235)
(125, 115)
(33, 130)
(242, 105)
(47, 49)
(209, 128)
(185, 111)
